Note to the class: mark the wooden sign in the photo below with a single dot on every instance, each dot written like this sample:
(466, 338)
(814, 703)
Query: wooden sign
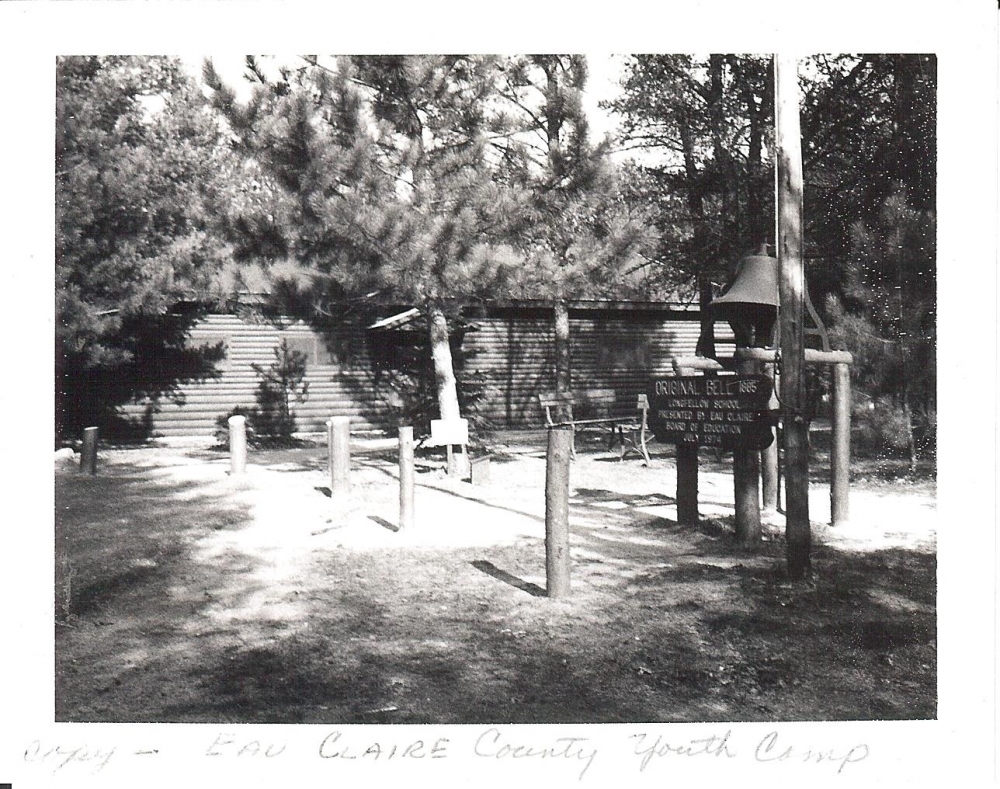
(445, 432)
(727, 411)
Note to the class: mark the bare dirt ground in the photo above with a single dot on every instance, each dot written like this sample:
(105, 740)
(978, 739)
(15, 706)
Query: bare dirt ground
(184, 594)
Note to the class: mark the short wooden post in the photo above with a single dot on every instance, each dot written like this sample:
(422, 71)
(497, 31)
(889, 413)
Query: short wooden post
(237, 444)
(687, 483)
(746, 483)
(405, 477)
(339, 445)
(560, 447)
(840, 452)
(63, 575)
(88, 451)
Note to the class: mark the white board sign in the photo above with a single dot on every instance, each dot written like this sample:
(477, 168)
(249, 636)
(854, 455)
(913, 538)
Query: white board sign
(451, 431)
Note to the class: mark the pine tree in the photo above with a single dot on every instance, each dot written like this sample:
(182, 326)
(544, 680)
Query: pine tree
(379, 182)
(449, 231)
(887, 317)
(280, 382)
(580, 236)
(707, 122)
(139, 175)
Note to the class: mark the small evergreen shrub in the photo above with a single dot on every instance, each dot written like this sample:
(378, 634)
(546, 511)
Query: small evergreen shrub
(281, 382)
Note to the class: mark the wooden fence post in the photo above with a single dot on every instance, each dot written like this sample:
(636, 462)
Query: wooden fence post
(339, 445)
(405, 477)
(557, 461)
(88, 451)
(237, 444)
(840, 451)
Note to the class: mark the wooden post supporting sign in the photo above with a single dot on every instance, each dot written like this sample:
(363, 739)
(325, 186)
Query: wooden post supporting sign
(746, 483)
(687, 483)
(686, 451)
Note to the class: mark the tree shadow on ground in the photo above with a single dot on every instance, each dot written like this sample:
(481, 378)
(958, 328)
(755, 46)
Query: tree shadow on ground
(132, 575)
(875, 610)
(641, 522)
(436, 664)
(178, 622)
(502, 575)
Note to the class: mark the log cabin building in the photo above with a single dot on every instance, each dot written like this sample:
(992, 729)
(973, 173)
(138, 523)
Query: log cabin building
(366, 365)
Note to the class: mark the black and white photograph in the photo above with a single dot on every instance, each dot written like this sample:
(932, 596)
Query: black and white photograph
(566, 417)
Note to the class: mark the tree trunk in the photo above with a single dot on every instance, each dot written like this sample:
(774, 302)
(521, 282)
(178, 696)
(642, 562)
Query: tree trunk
(757, 182)
(730, 223)
(555, 115)
(447, 387)
(444, 373)
(563, 360)
(700, 250)
(706, 335)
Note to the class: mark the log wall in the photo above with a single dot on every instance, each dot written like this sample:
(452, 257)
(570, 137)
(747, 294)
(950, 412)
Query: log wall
(507, 352)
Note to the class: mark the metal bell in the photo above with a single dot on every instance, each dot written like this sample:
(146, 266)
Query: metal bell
(750, 302)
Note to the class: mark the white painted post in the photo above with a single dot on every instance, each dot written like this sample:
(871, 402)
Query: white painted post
(339, 442)
(237, 444)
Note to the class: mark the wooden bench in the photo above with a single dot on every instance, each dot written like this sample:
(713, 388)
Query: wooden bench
(594, 408)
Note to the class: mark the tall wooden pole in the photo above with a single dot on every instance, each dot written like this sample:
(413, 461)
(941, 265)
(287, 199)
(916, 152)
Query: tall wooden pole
(791, 289)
